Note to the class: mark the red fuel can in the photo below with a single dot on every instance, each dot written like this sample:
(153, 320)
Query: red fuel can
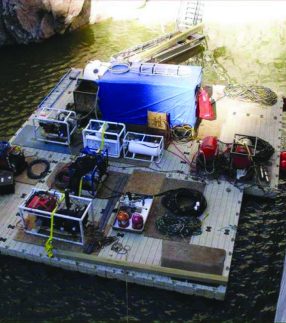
(283, 155)
(209, 147)
(206, 110)
(283, 165)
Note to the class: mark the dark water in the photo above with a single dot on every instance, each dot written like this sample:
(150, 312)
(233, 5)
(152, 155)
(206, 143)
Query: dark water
(32, 292)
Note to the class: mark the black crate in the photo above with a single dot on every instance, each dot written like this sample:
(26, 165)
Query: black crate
(85, 96)
(7, 183)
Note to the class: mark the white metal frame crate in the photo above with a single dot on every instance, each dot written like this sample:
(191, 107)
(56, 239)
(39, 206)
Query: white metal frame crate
(63, 119)
(143, 147)
(27, 214)
(107, 134)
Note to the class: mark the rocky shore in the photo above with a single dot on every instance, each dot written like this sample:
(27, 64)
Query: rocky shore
(26, 21)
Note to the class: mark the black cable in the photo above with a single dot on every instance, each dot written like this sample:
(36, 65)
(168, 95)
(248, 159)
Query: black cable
(145, 145)
(156, 170)
(110, 189)
(106, 197)
(43, 174)
(60, 181)
(185, 201)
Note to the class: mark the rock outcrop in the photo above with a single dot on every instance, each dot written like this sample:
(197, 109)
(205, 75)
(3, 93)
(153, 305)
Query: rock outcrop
(25, 21)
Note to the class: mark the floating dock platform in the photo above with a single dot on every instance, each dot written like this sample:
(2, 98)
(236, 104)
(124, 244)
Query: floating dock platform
(280, 315)
(142, 263)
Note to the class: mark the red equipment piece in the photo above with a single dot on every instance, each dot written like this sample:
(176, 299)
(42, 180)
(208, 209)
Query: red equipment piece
(206, 110)
(42, 202)
(283, 165)
(283, 161)
(242, 161)
(283, 155)
(209, 147)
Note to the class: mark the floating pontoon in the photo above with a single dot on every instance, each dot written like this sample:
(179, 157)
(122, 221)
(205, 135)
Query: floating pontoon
(198, 265)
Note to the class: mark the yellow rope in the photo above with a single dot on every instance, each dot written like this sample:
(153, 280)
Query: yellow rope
(49, 243)
(80, 187)
(102, 137)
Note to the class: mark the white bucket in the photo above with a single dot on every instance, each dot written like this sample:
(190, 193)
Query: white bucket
(93, 70)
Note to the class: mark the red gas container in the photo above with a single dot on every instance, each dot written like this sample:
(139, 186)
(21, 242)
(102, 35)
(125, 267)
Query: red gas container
(283, 161)
(209, 147)
(283, 165)
(46, 203)
(283, 155)
(206, 110)
(241, 162)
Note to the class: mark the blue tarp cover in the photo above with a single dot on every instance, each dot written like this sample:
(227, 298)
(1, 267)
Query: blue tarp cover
(127, 97)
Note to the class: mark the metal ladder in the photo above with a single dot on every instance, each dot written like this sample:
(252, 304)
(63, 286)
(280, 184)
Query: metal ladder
(190, 14)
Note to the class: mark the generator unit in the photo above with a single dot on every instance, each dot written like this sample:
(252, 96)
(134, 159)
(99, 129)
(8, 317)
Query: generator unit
(104, 135)
(55, 125)
(70, 214)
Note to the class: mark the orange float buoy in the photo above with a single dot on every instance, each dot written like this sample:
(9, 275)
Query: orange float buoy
(123, 219)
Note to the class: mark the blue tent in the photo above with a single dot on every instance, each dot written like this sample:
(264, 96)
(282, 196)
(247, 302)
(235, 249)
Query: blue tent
(126, 97)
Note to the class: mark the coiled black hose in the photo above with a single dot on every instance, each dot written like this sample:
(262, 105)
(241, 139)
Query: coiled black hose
(43, 174)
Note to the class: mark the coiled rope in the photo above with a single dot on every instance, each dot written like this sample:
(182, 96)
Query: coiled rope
(251, 93)
(182, 226)
(183, 133)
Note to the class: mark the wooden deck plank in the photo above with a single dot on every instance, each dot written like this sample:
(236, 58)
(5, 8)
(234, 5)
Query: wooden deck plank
(146, 251)
(158, 255)
(140, 249)
(152, 251)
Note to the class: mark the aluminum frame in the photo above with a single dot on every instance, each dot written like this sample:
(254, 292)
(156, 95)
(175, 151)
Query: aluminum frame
(141, 137)
(38, 118)
(23, 210)
(117, 141)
